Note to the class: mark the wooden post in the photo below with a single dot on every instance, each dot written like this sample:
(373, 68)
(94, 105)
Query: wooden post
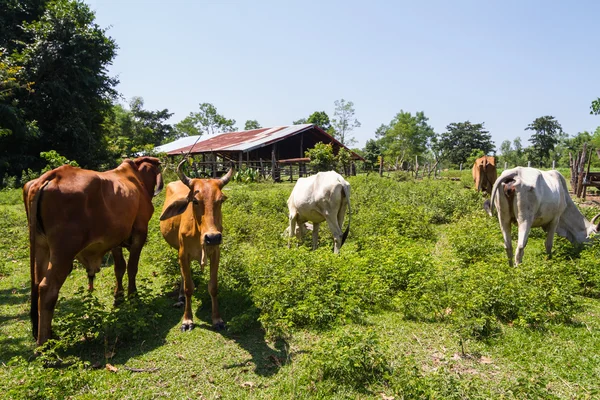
(291, 172)
(273, 163)
(214, 165)
(505, 165)
(262, 169)
(381, 165)
(416, 167)
(529, 163)
(241, 157)
(580, 171)
(553, 164)
(460, 167)
(203, 164)
(587, 174)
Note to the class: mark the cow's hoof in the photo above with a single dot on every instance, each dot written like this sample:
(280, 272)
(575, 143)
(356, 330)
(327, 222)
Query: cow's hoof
(187, 326)
(118, 300)
(219, 326)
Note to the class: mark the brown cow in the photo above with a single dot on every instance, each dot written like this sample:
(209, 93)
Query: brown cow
(484, 173)
(196, 232)
(80, 214)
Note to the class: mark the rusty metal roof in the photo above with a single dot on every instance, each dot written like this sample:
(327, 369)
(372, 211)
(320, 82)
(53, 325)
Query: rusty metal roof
(244, 140)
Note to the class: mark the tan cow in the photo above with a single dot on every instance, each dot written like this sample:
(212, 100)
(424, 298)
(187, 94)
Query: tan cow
(196, 232)
(484, 173)
(80, 214)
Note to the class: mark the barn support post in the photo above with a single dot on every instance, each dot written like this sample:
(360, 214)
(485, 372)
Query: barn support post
(241, 160)
(291, 172)
(262, 169)
(214, 165)
(273, 162)
(203, 164)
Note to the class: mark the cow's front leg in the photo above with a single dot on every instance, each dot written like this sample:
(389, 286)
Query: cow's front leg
(188, 288)
(120, 267)
(214, 256)
(135, 251)
(315, 235)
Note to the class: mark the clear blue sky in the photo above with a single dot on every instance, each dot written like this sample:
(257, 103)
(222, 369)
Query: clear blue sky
(503, 63)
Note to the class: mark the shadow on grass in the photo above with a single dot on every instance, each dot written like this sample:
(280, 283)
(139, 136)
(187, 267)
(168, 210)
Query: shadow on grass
(17, 345)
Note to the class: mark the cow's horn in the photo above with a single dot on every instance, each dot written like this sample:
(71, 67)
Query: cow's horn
(187, 181)
(594, 219)
(227, 177)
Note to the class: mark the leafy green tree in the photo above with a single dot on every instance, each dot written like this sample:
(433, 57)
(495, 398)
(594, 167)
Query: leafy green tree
(405, 137)
(461, 138)
(64, 57)
(137, 130)
(251, 124)
(545, 137)
(344, 122)
(371, 154)
(321, 157)
(300, 121)
(513, 153)
(209, 121)
(595, 107)
(321, 119)
(186, 127)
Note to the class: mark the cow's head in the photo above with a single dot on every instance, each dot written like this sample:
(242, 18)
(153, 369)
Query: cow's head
(206, 197)
(149, 168)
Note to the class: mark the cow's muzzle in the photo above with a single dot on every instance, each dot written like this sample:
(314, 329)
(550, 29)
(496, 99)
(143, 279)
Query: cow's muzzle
(212, 239)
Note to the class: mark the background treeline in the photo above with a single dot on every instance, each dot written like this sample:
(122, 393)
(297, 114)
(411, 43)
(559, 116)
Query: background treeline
(56, 94)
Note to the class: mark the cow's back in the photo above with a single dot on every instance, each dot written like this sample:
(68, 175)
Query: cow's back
(314, 196)
(87, 207)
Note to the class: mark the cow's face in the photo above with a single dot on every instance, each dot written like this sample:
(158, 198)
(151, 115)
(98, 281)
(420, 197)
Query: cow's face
(207, 197)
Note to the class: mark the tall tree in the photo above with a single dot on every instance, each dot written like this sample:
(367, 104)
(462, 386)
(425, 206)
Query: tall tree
(406, 136)
(321, 119)
(545, 137)
(186, 127)
(300, 121)
(371, 153)
(595, 107)
(344, 121)
(209, 121)
(65, 55)
(461, 138)
(251, 124)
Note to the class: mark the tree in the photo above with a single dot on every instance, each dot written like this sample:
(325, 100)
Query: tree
(137, 130)
(512, 154)
(321, 119)
(344, 122)
(186, 127)
(321, 157)
(64, 57)
(251, 124)
(461, 138)
(405, 137)
(208, 121)
(300, 121)
(595, 107)
(546, 136)
(371, 154)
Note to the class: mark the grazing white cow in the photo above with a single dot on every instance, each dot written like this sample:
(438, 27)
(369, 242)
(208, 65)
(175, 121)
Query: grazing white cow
(317, 198)
(534, 198)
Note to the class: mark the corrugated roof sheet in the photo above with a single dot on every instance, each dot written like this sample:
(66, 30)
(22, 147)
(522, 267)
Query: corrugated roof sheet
(241, 141)
(177, 144)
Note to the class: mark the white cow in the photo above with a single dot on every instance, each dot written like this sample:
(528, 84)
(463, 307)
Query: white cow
(317, 198)
(534, 198)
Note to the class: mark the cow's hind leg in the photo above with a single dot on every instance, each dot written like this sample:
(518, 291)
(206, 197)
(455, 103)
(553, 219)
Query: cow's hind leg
(42, 258)
(335, 229)
(56, 274)
(524, 229)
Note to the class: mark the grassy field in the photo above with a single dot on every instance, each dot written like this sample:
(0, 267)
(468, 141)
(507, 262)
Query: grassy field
(421, 303)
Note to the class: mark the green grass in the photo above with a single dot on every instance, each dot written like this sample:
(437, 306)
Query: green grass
(419, 304)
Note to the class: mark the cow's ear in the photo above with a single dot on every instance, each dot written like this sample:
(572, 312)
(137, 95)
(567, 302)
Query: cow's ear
(176, 208)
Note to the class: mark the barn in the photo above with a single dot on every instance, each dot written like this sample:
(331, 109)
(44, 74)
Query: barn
(278, 151)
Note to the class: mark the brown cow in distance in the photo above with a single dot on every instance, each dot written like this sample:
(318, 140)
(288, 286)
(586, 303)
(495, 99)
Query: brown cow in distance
(485, 174)
(81, 214)
(196, 232)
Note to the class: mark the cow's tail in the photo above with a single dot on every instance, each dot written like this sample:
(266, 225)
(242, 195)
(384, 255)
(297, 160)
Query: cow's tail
(347, 195)
(31, 195)
(489, 204)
